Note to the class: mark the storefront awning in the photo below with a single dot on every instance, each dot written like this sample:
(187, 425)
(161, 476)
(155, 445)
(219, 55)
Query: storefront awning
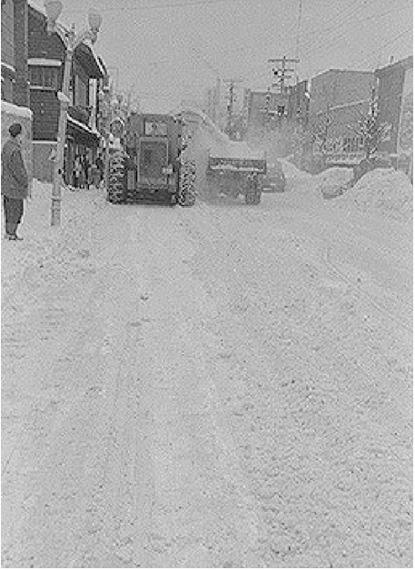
(81, 133)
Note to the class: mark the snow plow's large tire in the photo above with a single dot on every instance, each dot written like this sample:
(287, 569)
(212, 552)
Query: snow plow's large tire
(257, 195)
(250, 197)
(116, 191)
(212, 187)
(253, 192)
(187, 187)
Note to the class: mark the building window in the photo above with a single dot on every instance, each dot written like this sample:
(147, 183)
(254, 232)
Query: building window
(355, 146)
(44, 77)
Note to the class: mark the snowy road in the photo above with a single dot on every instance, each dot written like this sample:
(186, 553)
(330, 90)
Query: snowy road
(219, 386)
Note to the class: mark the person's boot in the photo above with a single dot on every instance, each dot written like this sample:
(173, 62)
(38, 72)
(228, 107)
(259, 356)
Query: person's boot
(9, 231)
(13, 235)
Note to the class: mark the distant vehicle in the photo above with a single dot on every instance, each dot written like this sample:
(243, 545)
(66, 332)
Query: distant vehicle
(236, 169)
(150, 167)
(274, 181)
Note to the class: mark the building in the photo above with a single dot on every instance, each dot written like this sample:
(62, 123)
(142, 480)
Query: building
(298, 103)
(339, 99)
(395, 108)
(14, 74)
(46, 62)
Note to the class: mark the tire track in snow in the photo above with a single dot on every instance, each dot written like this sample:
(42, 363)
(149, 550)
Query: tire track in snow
(337, 448)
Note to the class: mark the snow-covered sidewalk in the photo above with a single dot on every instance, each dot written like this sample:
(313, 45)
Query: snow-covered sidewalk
(47, 249)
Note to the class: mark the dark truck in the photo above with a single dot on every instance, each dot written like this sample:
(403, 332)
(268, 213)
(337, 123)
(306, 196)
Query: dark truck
(150, 168)
(235, 169)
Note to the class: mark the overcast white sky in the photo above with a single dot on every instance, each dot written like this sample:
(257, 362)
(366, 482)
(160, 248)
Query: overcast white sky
(155, 45)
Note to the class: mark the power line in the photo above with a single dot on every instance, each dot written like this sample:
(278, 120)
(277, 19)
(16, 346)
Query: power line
(325, 45)
(390, 42)
(297, 45)
(164, 6)
(336, 19)
(321, 43)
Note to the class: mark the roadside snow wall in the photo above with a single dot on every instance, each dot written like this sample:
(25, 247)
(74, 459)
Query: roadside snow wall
(386, 191)
(333, 181)
(13, 114)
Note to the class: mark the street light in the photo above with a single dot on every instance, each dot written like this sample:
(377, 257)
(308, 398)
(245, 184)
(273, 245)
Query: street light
(71, 41)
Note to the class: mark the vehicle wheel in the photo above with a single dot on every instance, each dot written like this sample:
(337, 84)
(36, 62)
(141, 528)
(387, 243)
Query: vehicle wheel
(187, 188)
(116, 194)
(212, 186)
(258, 191)
(257, 197)
(253, 194)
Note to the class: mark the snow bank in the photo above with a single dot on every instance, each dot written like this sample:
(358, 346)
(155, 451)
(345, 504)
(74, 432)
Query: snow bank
(334, 181)
(386, 191)
(335, 175)
(291, 171)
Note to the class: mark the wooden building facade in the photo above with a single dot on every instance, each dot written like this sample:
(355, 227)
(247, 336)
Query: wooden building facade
(46, 65)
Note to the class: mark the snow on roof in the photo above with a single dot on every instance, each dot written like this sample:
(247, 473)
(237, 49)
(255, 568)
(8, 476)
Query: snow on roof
(8, 66)
(44, 62)
(82, 126)
(37, 6)
(16, 110)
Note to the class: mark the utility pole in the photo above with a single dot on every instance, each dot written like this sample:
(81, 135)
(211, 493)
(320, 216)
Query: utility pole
(218, 86)
(230, 103)
(297, 42)
(231, 99)
(71, 40)
(218, 89)
(265, 110)
(282, 72)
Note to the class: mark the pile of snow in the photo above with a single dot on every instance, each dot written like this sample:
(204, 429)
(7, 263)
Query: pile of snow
(334, 181)
(235, 149)
(386, 191)
(291, 171)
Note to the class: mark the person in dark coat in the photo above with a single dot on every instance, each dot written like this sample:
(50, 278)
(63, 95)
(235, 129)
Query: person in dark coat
(100, 165)
(84, 174)
(14, 181)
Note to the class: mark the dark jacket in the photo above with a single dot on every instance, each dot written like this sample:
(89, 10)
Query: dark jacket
(14, 180)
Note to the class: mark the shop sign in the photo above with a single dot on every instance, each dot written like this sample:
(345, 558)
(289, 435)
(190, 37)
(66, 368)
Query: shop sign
(345, 158)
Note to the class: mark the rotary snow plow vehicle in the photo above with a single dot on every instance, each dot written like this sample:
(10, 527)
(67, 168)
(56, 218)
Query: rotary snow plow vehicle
(235, 169)
(152, 165)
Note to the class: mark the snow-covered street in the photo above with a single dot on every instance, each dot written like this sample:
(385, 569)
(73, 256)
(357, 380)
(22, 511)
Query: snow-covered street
(216, 386)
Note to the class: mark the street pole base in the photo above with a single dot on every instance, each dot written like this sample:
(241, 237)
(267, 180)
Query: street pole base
(56, 212)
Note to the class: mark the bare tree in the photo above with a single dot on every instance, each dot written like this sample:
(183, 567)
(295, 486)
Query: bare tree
(318, 134)
(370, 130)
